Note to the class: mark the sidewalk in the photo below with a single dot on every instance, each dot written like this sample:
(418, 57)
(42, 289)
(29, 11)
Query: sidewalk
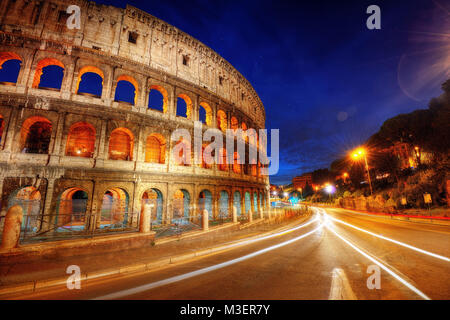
(29, 276)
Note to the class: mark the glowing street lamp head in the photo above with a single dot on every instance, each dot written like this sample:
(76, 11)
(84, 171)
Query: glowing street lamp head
(358, 153)
(329, 189)
(285, 194)
(345, 174)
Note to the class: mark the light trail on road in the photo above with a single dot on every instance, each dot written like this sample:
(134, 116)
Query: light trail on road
(431, 254)
(128, 292)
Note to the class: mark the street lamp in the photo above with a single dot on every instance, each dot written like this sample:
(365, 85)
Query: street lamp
(358, 153)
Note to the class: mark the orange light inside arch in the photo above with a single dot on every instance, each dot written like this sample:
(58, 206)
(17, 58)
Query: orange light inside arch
(41, 65)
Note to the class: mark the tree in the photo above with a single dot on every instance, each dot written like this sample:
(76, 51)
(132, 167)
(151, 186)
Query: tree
(386, 162)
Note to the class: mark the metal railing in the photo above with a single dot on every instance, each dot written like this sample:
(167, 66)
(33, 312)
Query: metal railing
(177, 226)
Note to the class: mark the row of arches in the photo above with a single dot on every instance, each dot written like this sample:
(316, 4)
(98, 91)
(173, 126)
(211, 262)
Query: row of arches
(36, 135)
(49, 74)
(73, 204)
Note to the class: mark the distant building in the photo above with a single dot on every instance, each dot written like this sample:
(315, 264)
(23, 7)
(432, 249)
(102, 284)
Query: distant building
(302, 181)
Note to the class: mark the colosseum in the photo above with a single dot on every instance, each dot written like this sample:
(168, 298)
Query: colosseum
(86, 117)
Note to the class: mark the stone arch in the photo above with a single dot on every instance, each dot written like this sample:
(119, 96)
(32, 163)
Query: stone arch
(155, 198)
(206, 148)
(208, 113)
(181, 201)
(81, 140)
(121, 143)
(255, 201)
(155, 148)
(133, 82)
(164, 97)
(247, 202)
(44, 63)
(224, 204)
(222, 120)
(86, 70)
(205, 201)
(9, 73)
(244, 131)
(35, 135)
(114, 209)
(29, 198)
(237, 202)
(237, 167)
(181, 100)
(71, 210)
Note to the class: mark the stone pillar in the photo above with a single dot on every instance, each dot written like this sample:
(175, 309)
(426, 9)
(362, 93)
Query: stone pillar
(250, 216)
(205, 220)
(11, 131)
(48, 203)
(66, 84)
(11, 228)
(234, 214)
(146, 218)
(57, 150)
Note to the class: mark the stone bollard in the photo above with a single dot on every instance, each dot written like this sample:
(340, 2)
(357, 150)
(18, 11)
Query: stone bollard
(234, 214)
(250, 216)
(205, 220)
(11, 228)
(146, 217)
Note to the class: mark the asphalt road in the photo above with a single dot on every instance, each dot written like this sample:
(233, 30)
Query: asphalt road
(321, 259)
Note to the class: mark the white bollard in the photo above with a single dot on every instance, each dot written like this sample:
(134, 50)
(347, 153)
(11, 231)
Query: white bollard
(205, 220)
(11, 228)
(146, 218)
(250, 216)
(234, 214)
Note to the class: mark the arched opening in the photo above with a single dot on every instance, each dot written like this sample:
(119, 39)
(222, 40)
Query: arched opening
(9, 67)
(205, 203)
(182, 153)
(237, 202)
(158, 98)
(29, 198)
(205, 113)
(223, 166)
(248, 202)
(222, 120)
(121, 144)
(223, 205)
(261, 200)
(255, 201)
(126, 90)
(71, 210)
(154, 198)
(155, 148)
(207, 156)
(184, 106)
(114, 210)
(90, 81)
(244, 131)
(81, 140)
(35, 135)
(49, 74)
(181, 202)
(234, 123)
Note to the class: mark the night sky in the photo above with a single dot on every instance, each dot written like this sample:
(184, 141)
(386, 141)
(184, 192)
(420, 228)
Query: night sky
(326, 81)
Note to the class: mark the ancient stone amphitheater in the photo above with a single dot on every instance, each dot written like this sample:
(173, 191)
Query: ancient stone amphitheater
(87, 115)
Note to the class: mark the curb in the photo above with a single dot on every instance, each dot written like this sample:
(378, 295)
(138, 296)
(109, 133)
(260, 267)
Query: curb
(33, 286)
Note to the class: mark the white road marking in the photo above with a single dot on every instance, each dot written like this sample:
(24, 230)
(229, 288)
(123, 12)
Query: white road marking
(382, 266)
(188, 275)
(340, 286)
(431, 254)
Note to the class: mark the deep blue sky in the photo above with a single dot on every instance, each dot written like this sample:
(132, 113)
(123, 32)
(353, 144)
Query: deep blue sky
(326, 81)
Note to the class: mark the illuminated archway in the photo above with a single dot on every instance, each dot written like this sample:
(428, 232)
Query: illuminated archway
(114, 210)
(234, 123)
(154, 198)
(182, 153)
(184, 106)
(121, 144)
(71, 210)
(207, 161)
(9, 67)
(158, 98)
(223, 166)
(244, 131)
(29, 198)
(237, 167)
(237, 202)
(247, 202)
(35, 135)
(81, 140)
(155, 148)
(221, 120)
(90, 80)
(124, 90)
(181, 203)
(223, 205)
(205, 113)
(51, 77)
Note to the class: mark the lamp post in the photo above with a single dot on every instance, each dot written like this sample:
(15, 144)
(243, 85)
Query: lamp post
(360, 152)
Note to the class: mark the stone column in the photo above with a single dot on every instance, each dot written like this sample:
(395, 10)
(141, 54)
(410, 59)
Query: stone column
(146, 216)
(66, 84)
(57, 150)
(234, 214)
(11, 130)
(46, 212)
